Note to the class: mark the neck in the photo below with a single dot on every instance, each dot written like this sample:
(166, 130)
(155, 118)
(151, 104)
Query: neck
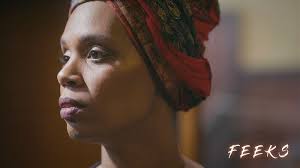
(150, 143)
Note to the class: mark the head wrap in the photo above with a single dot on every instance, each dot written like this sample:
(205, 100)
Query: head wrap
(170, 35)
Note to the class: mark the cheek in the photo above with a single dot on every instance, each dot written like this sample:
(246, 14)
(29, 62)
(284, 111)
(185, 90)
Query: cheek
(97, 77)
(120, 95)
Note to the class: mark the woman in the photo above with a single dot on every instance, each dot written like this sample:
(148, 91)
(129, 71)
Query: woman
(128, 66)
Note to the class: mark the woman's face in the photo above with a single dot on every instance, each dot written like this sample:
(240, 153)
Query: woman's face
(103, 72)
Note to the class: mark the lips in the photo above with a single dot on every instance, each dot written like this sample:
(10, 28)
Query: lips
(69, 108)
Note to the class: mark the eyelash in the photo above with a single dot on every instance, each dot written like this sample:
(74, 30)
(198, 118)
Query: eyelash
(104, 55)
(100, 53)
(63, 59)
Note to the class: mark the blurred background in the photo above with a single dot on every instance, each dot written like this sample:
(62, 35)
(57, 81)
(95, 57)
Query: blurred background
(254, 55)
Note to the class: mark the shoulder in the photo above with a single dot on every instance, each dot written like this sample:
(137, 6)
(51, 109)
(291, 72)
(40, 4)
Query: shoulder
(190, 163)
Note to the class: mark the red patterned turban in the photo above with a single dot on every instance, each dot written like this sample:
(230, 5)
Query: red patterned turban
(170, 35)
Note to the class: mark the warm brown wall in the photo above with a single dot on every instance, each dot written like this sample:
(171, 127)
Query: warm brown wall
(32, 133)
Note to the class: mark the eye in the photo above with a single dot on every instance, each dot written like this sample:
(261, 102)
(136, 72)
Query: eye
(63, 59)
(97, 54)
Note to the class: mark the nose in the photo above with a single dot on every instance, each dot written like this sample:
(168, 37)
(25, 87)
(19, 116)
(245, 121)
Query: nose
(70, 75)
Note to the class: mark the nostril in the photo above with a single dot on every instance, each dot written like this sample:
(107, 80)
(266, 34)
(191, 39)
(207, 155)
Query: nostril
(67, 79)
(71, 83)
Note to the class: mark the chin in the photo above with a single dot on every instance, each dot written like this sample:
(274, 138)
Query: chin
(83, 136)
(73, 133)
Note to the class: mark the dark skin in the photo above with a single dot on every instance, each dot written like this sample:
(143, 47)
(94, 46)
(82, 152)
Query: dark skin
(124, 113)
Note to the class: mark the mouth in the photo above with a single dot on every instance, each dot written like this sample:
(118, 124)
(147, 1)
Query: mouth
(69, 108)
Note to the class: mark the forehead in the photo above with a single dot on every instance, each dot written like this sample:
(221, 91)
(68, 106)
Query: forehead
(95, 17)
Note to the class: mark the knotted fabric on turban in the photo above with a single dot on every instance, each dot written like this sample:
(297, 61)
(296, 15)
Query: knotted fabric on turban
(170, 35)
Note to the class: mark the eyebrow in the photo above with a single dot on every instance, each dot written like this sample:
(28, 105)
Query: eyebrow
(90, 39)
